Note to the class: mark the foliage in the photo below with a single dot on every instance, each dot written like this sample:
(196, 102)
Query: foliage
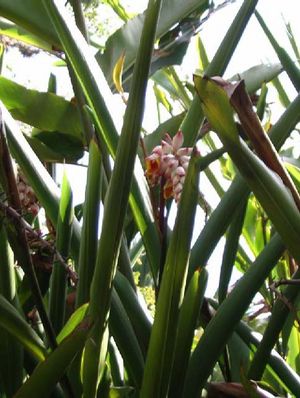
(75, 284)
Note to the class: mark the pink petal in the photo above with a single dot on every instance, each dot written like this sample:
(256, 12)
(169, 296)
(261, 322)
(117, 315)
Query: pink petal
(168, 139)
(157, 150)
(180, 171)
(177, 140)
(184, 151)
(166, 147)
(178, 188)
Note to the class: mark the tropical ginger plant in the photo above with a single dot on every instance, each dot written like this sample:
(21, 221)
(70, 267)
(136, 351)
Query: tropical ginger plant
(75, 283)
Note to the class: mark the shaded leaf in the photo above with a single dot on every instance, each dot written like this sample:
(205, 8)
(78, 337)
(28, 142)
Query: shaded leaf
(12, 322)
(44, 144)
(32, 16)
(49, 372)
(15, 32)
(127, 38)
(257, 75)
(45, 111)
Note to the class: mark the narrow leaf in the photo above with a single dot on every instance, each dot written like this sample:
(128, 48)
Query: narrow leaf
(228, 315)
(162, 341)
(188, 316)
(117, 73)
(89, 235)
(287, 63)
(11, 320)
(49, 372)
(265, 184)
(58, 283)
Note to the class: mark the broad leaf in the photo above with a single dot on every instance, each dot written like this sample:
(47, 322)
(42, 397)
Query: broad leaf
(16, 32)
(32, 16)
(45, 111)
(127, 38)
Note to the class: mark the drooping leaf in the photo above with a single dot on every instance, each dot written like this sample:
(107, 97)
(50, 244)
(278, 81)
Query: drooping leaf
(32, 16)
(16, 32)
(45, 111)
(257, 75)
(127, 38)
(222, 216)
(117, 73)
(44, 144)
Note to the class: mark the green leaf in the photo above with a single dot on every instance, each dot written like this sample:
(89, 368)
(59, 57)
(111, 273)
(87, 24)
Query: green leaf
(125, 338)
(37, 175)
(203, 58)
(188, 317)
(195, 117)
(58, 282)
(72, 323)
(293, 358)
(120, 392)
(89, 235)
(127, 38)
(280, 313)
(50, 371)
(267, 187)
(227, 317)
(230, 250)
(25, 105)
(283, 97)
(118, 9)
(292, 39)
(287, 63)
(99, 97)
(222, 216)
(288, 378)
(44, 144)
(162, 341)
(12, 322)
(136, 314)
(257, 75)
(30, 15)
(15, 32)
(11, 352)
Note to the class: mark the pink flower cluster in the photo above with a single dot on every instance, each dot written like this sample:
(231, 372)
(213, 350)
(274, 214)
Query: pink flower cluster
(167, 165)
(27, 196)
